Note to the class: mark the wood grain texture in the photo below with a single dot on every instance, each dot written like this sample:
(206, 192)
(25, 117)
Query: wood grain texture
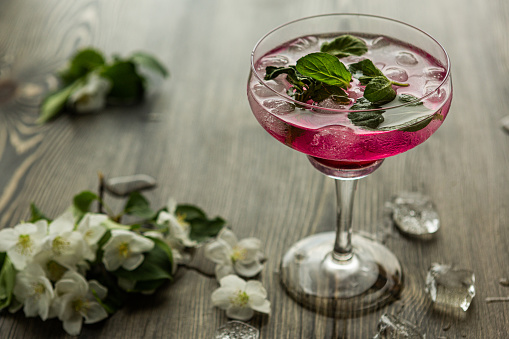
(198, 137)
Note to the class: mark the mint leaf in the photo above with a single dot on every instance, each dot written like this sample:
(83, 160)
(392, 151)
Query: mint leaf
(306, 88)
(407, 98)
(366, 119)
(138, 206)
(365, 71)
(379, 91)
(127, 84)
(148, 61)
(54, 103)
(82, 63)
(344, 46)
(325, 68)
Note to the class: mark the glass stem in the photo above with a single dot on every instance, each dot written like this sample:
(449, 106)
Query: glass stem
(345, 191)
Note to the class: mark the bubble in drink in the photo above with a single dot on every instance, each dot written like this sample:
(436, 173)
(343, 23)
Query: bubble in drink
(279, 106)
(302, 44)
(434, 73)
(380, 42)
(406, 59)
(396, 74)
(273, 60)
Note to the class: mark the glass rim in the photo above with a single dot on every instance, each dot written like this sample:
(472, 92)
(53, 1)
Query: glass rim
(335, 110)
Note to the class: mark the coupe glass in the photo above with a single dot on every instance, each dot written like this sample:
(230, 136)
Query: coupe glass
(340, 273)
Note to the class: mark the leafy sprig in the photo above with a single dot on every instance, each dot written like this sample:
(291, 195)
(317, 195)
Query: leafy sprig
(125, 82)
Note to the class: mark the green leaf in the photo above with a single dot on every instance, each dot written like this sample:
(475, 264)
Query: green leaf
(156, 265)
(344, 46)
(203, 229)
(36, 214)
(189, 212)
(366, 119)
(127, 84)
(363, 103)
(139, 206)
(82, 202)
(55, 102)
(379, 91)
(81, 64)
(325, 68)
(365, 71)
(7, 280)
(408, 98)
(150, 62)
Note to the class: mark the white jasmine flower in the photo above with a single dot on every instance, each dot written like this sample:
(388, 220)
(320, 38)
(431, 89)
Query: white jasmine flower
(178, 229)
(92, 230)
(232, 256)
(34, 290)
(91, 96)
(75, 300)
(240, 298)
(22, 242)
(124, 249)
(66, 245)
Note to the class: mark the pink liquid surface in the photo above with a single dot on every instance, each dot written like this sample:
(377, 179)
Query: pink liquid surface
(331, 135)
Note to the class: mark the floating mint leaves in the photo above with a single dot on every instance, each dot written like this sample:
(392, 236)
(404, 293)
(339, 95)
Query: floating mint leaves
(325, 68)
(379, 90)
(344, 46)
(306, 88)
(408, 98)
(378, 87)
(365, 71)
(366, 119)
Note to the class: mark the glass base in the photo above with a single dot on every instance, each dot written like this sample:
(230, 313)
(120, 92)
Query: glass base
(371, 278)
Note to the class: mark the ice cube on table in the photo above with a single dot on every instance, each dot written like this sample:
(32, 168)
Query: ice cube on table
(450, 287)
(391, 326)
(406, 59)
(236, 330)
(414, 214)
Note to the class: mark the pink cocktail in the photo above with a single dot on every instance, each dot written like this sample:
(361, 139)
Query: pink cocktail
(347, 127)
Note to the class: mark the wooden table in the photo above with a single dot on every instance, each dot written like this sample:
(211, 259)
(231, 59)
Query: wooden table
(200, 140)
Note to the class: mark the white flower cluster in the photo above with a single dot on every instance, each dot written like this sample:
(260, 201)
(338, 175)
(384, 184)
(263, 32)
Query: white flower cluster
(239, 298)
(51, 260)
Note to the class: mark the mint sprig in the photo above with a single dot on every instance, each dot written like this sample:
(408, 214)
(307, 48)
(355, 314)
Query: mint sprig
(378, 87)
